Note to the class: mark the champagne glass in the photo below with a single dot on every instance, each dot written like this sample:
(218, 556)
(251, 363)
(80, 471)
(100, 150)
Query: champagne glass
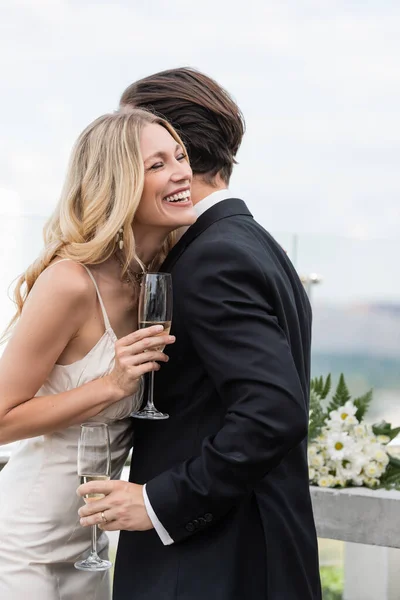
(155, 308)
(94, 464)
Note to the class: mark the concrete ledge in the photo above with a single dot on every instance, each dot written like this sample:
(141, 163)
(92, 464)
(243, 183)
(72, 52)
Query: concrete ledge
(357, 515)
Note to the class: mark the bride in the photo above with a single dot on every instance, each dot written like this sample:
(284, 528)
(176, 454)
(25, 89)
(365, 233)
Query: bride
(74, 353)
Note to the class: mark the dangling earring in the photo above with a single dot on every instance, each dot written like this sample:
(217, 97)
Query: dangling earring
(119, 238)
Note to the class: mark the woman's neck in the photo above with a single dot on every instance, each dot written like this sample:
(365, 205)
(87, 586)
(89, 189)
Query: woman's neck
(148, 242)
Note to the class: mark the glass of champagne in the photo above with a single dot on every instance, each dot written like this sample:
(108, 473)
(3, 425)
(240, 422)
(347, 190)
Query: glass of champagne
(155, 308)
(94, 464)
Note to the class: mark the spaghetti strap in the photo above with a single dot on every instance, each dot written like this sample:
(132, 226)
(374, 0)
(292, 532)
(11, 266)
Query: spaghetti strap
(107, 323)
(103, 308)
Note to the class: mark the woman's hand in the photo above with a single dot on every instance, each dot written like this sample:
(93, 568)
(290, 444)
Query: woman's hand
(121, 507)
(136, 354)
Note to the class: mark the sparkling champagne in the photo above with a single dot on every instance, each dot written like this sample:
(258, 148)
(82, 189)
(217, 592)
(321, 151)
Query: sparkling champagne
(87, 478)
(165, 324)
(155, 308)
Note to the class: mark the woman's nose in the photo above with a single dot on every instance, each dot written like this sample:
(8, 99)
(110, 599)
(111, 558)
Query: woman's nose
(182, 171)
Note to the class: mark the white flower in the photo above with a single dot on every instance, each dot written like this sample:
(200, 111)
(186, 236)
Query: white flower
(339, 445)
(334, 425)
(340, 481)
(383, 439)
(359, 480)
(324, 471)
(380, 456)
(360, 431)
(357, 461)
(325, 454)
(373, 469)
(370, 446)
(344, 412)
(351, 421)
(371, 482)
(376, 452)
(326, 481)
(351, 469)
(347, 452)
(312, 450)
(317, 461)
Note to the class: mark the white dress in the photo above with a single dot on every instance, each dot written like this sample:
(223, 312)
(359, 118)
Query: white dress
(40, 534)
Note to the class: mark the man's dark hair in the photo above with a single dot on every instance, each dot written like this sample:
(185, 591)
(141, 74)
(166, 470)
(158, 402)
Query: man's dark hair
(205, 116)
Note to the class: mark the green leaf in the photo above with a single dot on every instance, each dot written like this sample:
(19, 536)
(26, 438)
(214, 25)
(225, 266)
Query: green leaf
(319, 389)
(381, 428)
(392, 482)
(314, 385)
(391, 477)
(394, 462)
(341, 395)
(362, 403)
(327, 387)
(317, 416)
(394, 433)
(384, 428)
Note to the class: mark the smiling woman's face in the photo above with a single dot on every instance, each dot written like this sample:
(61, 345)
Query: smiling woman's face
(166, 199)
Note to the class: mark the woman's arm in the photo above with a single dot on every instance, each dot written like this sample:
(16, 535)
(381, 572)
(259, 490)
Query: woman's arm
(56, 309)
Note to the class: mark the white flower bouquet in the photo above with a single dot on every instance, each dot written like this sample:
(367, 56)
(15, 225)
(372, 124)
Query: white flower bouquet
(343, 450)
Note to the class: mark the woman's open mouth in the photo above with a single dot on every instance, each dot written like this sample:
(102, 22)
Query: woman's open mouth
(179, 198)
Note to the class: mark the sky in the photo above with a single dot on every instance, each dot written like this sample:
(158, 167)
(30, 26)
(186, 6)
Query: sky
(317, 80)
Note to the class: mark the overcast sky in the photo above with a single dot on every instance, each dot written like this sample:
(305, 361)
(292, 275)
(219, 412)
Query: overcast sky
(318, 82)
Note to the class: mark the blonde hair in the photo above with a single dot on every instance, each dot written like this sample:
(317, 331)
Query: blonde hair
(101, 194)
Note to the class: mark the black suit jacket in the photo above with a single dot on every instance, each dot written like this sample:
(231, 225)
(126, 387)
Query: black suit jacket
(227, 473)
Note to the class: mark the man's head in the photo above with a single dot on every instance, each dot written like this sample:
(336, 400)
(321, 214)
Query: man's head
(208, 120)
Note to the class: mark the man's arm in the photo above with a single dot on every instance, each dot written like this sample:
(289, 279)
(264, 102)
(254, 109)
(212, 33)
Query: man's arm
(246, 353)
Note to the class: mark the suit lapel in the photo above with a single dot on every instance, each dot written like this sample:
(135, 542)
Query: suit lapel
(221, 210)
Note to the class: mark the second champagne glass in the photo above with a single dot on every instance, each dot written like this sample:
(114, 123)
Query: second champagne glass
(94, 464)
(155, 308)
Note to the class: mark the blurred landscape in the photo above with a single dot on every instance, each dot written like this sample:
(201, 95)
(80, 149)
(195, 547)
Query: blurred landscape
(363, 342)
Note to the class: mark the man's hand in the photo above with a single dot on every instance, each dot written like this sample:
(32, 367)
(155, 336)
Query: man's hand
(121, 508)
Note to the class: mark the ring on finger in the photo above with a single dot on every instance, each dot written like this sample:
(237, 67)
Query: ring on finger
(103, 517)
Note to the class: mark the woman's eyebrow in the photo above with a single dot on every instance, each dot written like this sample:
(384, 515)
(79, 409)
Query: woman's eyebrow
(162, 154)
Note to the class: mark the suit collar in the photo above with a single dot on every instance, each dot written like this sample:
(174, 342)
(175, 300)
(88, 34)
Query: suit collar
(221, 210)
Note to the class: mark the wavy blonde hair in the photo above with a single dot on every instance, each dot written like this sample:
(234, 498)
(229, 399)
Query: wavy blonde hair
(101, 194)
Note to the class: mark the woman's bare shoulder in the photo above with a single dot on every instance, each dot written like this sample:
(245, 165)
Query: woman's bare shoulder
(67, 282)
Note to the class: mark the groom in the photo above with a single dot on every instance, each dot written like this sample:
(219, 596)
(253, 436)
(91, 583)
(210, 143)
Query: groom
(218, 507)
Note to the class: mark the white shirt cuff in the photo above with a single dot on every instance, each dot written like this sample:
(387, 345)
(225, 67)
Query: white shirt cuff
(160, 529)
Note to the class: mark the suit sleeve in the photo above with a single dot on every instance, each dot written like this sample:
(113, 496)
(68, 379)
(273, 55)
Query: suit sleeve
(247, 355)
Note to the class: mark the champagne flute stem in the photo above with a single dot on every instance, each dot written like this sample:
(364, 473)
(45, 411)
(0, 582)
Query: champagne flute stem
(150, 403)
(94, 539)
